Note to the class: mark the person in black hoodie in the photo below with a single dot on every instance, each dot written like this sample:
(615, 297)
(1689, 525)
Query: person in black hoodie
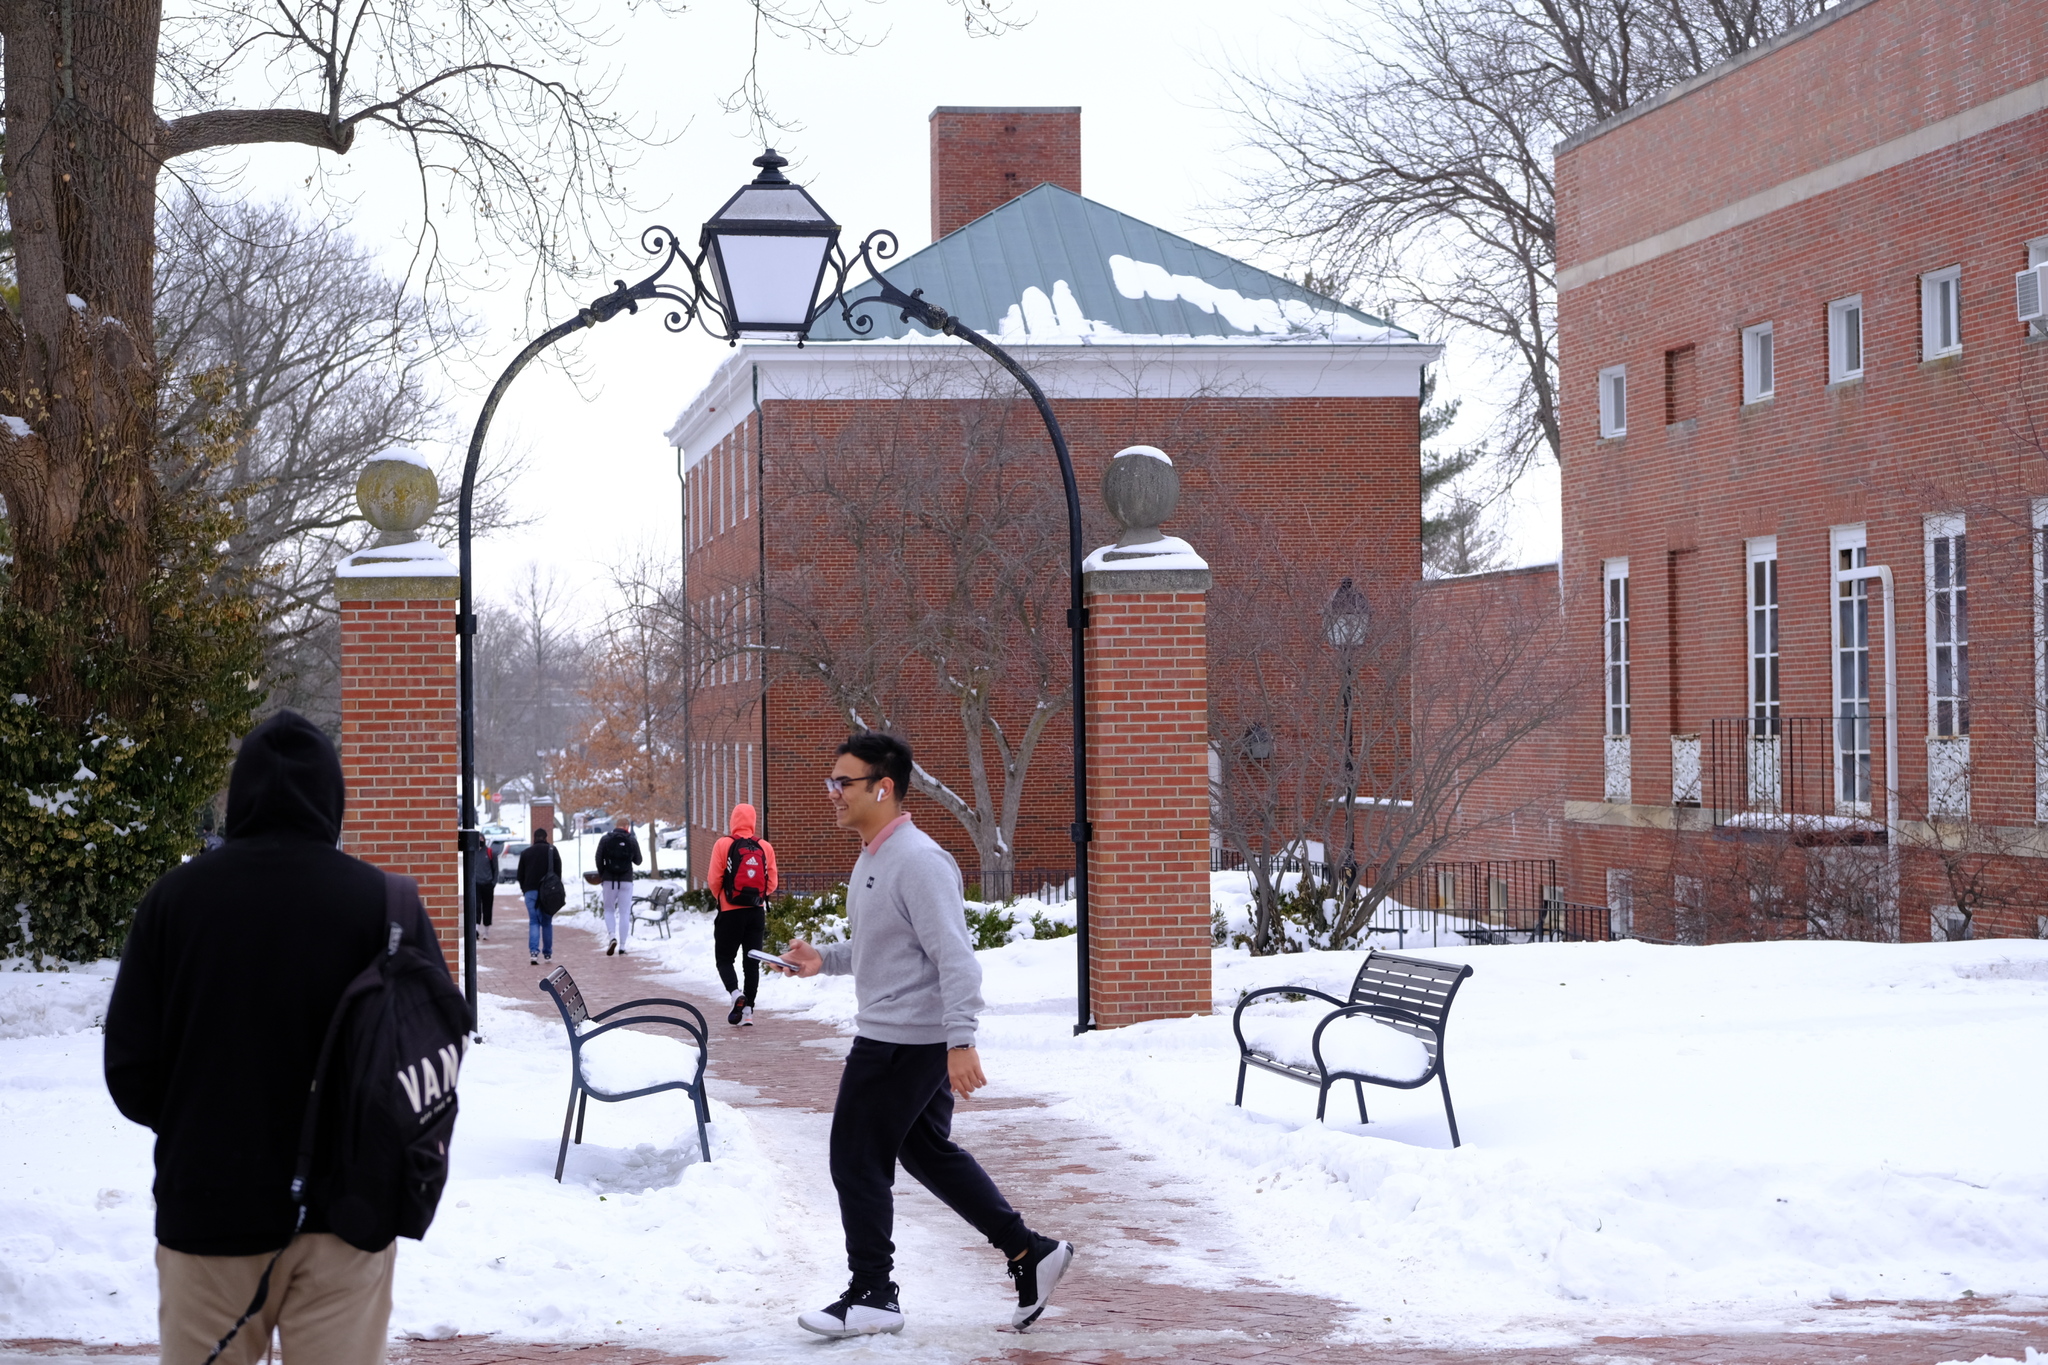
(231, 973)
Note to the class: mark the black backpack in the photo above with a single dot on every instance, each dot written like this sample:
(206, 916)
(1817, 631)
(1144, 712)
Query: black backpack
(373, 1149)
(374, 1152)
(615, 857)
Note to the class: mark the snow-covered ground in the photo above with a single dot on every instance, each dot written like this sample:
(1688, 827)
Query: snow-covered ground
(1656, 1140)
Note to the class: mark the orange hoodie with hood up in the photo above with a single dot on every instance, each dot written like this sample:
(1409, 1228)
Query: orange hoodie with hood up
(743, 824)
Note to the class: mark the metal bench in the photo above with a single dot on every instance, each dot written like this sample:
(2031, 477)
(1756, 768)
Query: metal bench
(562, 988)
(1407, 994)
(661, 903)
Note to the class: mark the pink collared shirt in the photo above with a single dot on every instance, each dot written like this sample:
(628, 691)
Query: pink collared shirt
(882, 836)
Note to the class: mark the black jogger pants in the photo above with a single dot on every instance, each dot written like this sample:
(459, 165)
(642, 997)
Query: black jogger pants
(895, 1104)
(734, 932)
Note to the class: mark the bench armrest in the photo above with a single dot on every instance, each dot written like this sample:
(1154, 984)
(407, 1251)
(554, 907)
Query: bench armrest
(682, 1005)
(1250, 996)
(1372, 1012)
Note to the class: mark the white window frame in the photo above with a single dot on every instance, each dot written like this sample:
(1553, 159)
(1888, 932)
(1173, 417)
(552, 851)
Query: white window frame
(2037, 254)
(1840, 371)
(1759, 362)
(1618, 710)
(1948, 613)
(1941, 313)
(1760, 634)
(1849, 736)
(1613, 402)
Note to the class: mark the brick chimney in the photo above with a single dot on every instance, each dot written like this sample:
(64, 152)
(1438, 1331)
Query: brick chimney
(983, 158)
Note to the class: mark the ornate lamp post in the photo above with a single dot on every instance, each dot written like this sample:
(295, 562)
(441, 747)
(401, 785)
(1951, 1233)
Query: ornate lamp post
(761, 266)
(1347, 620)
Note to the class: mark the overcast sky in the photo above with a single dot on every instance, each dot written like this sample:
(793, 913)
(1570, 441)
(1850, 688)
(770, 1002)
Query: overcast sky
(600, 480)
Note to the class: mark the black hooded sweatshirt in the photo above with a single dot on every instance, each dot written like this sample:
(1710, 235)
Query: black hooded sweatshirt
(231, 973)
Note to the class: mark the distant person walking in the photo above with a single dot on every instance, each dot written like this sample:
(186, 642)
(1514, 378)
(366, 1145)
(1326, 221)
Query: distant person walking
(213, 1033)
(743, 877)
(917, 996)
(618, 853)
(539, 866)
(484, 872)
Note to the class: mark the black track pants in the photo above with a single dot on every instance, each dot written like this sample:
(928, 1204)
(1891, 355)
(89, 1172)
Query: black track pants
(895, 1105)
(733, 933)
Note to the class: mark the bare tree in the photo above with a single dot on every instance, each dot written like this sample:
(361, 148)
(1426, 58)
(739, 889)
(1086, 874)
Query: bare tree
(1424, 165)
(1368, 730)
(497, 105)
(325, 361)
(530, 678)
(951, 523)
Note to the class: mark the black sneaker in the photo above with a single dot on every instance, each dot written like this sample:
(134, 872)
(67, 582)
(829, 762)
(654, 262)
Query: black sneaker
(856, 1313)
(739, 1006)
(1037, 1273)
(613, 949)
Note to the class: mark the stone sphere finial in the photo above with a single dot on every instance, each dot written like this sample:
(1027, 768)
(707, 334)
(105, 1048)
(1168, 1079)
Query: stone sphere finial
(1141, 488)
(398, 493)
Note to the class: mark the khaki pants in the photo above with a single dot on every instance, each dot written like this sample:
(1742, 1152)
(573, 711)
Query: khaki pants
(330, 1302)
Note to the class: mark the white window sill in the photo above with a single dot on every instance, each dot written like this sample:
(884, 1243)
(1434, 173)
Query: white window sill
(1846, 382)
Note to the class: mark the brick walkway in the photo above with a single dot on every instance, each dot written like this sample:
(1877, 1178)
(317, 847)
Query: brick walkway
(1122, 1303)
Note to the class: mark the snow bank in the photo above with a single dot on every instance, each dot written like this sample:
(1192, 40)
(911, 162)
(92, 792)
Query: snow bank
(43, 1004)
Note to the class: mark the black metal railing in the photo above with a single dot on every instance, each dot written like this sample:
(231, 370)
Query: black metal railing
(1049, 884)
(1800, 775)
(1518, 900)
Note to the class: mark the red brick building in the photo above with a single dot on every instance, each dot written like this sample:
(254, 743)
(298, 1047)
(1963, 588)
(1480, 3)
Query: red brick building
(1791, 353)
(1289, 415)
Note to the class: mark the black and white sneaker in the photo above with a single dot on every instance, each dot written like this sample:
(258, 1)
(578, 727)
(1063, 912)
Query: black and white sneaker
(857, 1313)
(1037, 1273)
(612, 949)
(739, 1007)
(533, 960)
(747, 1017)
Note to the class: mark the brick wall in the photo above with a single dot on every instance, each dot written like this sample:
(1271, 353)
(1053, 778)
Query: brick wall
(1329, 485)
(1682, 492)
(983, 158)
(1148, 799)
(399, 743)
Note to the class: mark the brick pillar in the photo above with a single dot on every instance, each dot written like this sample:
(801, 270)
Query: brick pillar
(398, 703)
(1148, 757)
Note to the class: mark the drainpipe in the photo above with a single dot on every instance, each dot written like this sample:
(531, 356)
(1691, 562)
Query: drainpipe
(1883, 574)
(689, 679)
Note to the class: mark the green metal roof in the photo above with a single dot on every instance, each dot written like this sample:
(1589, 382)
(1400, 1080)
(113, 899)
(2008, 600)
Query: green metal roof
(1053, 267)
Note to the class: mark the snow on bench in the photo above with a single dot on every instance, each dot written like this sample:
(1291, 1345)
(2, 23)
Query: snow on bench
(1389, 1032)
(608, 1064)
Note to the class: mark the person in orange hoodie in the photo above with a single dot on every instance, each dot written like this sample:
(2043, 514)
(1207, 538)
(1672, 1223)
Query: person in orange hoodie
(743, 877)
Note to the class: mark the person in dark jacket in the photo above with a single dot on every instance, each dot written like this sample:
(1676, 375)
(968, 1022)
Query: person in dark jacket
(224, 994)
(540, 861)
(617, 854)
(484, 872)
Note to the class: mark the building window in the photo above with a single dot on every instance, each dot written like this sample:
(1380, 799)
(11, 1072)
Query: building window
(1851, 629)
(1763, 636)
(1617, 647)
(1681, 386)
(1845, 339)
(1948, 627)
(2037, 254)
(1759, 362)
(1614, 402)
(1941, 313)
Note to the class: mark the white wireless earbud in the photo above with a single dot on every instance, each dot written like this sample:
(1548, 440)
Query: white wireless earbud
(878, 793)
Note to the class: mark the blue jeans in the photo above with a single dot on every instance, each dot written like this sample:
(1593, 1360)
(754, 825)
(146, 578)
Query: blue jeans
(540, 929)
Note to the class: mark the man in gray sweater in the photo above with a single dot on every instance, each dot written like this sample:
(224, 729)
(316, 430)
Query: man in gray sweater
(917, 987)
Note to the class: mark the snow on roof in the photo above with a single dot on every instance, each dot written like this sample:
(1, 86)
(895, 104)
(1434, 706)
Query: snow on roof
(1051, 266)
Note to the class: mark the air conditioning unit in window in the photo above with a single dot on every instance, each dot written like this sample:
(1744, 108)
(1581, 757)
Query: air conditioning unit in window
(2030, 289)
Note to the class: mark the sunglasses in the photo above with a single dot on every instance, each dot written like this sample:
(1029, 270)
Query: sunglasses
(836, 785)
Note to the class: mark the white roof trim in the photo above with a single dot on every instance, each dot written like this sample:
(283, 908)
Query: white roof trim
(938, 368)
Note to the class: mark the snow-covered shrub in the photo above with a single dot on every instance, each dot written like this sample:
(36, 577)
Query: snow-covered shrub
(814, 919)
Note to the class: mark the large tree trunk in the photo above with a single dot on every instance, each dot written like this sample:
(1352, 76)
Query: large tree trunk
(78, 382)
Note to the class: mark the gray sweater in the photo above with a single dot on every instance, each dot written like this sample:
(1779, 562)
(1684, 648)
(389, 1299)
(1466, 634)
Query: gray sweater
(915, 977)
